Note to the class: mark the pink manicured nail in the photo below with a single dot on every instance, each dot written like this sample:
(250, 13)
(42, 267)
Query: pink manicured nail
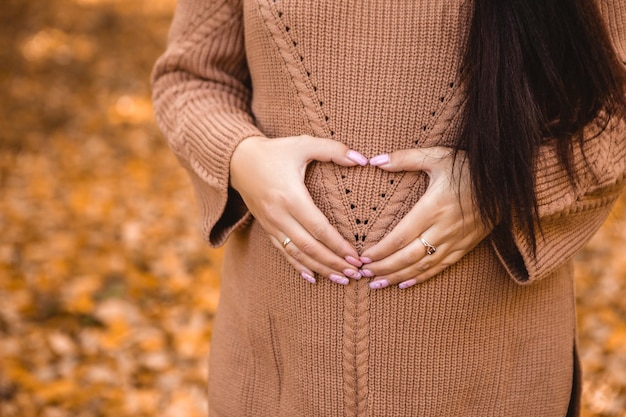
(367, 273)
(365, 260)
(353, 261)
(308, 277)
(377, 285)
(357, 157)
(407, 284)
(351, 273)
(379, 160)
(338, 279)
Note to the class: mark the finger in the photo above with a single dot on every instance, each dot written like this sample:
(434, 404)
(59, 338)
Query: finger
(297, 257)
(435, 270)
(316, 224)
(425, 263)
(401, 260)
(305, 272)
(328, 150)
(426, 267)
(313, 253)
(301, 220)
(335, 276)
(421, 159)
(417, 275)
(405, 232)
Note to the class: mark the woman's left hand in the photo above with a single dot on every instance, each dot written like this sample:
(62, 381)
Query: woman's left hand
(445, 218)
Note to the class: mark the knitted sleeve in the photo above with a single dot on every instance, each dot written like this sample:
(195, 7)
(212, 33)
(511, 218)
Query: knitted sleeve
(201, 97)
(570, 213)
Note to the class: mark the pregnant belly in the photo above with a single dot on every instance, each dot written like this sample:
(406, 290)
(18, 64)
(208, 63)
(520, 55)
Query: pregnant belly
(363, 203)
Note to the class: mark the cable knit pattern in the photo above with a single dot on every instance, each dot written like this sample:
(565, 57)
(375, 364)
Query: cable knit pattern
(477, 340)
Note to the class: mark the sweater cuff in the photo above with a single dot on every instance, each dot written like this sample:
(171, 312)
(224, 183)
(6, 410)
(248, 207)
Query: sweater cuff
(570, 212)
(209, 139)
(560, 238)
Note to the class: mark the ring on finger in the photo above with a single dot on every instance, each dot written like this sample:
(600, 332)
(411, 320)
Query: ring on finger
(430, 249)
(286, 241)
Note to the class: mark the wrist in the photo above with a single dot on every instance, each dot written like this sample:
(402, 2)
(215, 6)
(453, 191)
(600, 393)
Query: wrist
(243, 152)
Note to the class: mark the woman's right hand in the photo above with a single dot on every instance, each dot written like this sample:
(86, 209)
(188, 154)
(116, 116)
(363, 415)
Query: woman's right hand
(269, 176)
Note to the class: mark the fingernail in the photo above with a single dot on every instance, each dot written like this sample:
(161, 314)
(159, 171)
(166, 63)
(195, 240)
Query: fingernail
(407, 284)
(353, 261)
(365, 260)
(308, 277)
(379, 160)
(351, 273)
(377, 285)
(357, 157)
(338, 279)
(367, 273)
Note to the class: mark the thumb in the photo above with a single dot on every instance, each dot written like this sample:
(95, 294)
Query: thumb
(422, 159)
(329, 150)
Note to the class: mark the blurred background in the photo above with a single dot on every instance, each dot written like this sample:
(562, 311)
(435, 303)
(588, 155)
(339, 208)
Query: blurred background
(107, 291)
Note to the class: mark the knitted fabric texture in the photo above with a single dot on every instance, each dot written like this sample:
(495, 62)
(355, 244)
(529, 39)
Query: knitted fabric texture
(492, 335)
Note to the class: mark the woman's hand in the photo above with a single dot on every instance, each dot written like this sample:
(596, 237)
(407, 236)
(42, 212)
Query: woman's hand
(269, 176)
(444, 218)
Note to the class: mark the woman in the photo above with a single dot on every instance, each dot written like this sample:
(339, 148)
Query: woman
(443, 263)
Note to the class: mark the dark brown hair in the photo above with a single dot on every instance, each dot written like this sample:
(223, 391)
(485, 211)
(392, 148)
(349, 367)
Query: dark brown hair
(534, 69)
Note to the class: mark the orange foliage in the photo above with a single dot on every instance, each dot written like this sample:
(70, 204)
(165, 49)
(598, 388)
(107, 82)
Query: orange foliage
(107, 292)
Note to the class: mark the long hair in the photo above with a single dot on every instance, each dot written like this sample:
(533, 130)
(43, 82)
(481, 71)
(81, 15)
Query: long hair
(534, 69)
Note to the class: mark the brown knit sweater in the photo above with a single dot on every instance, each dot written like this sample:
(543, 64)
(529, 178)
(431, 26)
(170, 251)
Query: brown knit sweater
(490, 336)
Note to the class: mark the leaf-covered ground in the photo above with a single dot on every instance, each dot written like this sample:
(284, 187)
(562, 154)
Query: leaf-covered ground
(107, 292)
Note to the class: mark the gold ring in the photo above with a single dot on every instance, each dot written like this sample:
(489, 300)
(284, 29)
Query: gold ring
(430, 249)
(286, 241)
